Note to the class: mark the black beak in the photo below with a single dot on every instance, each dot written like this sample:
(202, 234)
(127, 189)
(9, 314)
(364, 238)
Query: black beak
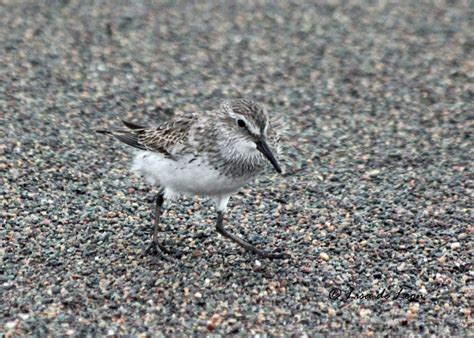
(262, 146)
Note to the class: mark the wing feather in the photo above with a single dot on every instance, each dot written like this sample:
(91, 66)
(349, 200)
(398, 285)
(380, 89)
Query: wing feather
(160, 139)
(129, 138)
(131, 125)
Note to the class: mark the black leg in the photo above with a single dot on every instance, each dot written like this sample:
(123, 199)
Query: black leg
(242, 243)
(155, 246)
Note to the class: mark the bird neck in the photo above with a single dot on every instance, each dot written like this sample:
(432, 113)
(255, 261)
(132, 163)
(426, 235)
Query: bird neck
(240, 156)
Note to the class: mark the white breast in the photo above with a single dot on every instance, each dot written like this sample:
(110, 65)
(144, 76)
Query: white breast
(184, 176)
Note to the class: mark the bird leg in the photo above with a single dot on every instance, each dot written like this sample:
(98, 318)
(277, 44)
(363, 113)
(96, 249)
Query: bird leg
(242, 243)
(155, 246)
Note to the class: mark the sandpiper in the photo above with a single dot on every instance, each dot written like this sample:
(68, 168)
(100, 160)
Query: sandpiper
(210, 153)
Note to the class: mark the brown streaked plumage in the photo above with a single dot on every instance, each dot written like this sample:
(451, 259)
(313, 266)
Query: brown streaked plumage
(158, 139)
(211, 153)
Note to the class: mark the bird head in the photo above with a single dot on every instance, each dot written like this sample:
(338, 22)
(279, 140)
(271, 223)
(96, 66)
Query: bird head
(249, 121)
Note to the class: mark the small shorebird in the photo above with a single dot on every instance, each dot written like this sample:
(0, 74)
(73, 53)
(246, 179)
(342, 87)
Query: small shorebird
(211, 153)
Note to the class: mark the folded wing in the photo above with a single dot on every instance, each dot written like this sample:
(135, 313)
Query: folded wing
(159, 139)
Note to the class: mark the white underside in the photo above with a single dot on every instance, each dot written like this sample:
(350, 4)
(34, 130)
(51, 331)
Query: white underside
(184, 178)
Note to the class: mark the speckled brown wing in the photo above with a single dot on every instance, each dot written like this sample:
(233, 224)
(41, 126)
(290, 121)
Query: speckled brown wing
(165, 137)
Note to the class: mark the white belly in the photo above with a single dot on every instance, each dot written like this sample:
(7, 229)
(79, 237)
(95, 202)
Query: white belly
(182, 177)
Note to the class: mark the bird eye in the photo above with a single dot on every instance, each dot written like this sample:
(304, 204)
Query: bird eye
(241, 123)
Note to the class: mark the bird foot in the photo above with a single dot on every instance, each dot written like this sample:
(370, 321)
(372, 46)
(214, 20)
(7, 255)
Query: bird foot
(158, 249)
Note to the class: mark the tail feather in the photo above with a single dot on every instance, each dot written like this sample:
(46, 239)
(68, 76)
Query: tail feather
(130, 139)
(131, 125)
(103, 131)
(126, 137)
